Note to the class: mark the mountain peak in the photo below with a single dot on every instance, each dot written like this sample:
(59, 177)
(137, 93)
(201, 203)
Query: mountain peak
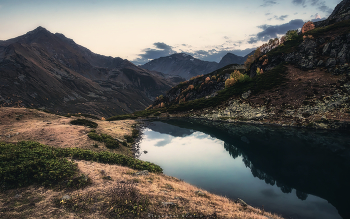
(39, 29)
(182, 55)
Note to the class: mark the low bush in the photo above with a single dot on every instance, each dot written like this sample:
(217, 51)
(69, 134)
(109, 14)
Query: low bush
(84, 122)
(109, 141)
(26, 163)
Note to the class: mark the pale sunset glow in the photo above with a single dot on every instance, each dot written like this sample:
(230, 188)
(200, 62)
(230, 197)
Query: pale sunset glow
(206, 29)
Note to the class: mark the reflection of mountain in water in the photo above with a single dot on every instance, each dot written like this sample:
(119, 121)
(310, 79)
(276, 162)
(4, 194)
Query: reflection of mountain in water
(164, 128)
(311, 161)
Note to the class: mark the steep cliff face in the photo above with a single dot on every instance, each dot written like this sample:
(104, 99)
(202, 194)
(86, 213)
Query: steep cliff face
(45, 70)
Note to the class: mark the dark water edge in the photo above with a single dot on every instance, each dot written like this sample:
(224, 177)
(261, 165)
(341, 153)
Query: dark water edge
(315, 162)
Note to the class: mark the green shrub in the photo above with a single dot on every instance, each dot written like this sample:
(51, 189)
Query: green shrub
(129, 138)
(95, 136)
(84, 122)
(291, 35)
(135, 133)
(109, 141)
(26, 163)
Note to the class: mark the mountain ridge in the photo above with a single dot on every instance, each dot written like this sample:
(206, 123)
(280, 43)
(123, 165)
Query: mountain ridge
(187, 66)
(44, 70)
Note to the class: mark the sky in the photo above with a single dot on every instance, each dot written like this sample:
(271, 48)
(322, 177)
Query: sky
(142, 30)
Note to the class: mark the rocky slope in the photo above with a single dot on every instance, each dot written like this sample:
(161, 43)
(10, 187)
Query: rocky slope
(45, 70)
(305, 82)
(187, 66)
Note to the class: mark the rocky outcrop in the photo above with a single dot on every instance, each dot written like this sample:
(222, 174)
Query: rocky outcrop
(330, 53)
(340, 13)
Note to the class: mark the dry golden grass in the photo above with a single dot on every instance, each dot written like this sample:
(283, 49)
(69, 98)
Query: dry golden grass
(94, 201)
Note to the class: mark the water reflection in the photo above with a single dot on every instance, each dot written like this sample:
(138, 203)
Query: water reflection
(306, 161)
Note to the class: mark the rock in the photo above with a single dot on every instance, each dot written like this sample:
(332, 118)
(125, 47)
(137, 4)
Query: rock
(246, 94)
(143, 172)
(333, 53)
(320, 63)
(199, 193)
(331, 62)
(66, 197)
(241, 202)
(326, 49)
(52, 139)
(168, 204)
(107, 177)
(103, 172)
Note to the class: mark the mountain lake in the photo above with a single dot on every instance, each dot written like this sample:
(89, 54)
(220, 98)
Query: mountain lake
(294, 172)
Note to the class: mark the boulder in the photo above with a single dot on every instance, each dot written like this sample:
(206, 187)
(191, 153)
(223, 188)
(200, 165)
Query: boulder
(246, 94)
(331, 62)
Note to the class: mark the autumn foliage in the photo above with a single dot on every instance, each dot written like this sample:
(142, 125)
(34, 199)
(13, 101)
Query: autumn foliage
(307, 27)
(229, 82)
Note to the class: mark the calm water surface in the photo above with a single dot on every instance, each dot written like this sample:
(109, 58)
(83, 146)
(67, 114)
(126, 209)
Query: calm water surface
(291, 172)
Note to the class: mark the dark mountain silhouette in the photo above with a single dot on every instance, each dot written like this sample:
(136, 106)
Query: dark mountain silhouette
(45, 70)
(187, 66)
(230, 58)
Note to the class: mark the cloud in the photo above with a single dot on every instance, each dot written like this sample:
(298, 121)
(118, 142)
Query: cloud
(268, 3)
(325, 8)
(314, 2)
(148, 54)
(271, 31)
(299, 2)
(321, 5)
(267, 14)
(281, 18)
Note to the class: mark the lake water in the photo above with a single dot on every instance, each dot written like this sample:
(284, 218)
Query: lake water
(297, 173)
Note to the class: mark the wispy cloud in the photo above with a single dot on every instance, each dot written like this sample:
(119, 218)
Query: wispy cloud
(281, 18)
(299, 2)
(321, 5)
(267, 3)
(271, 31)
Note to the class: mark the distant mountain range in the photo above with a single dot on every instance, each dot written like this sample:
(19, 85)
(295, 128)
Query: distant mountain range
(45, 70)
(186, 66)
